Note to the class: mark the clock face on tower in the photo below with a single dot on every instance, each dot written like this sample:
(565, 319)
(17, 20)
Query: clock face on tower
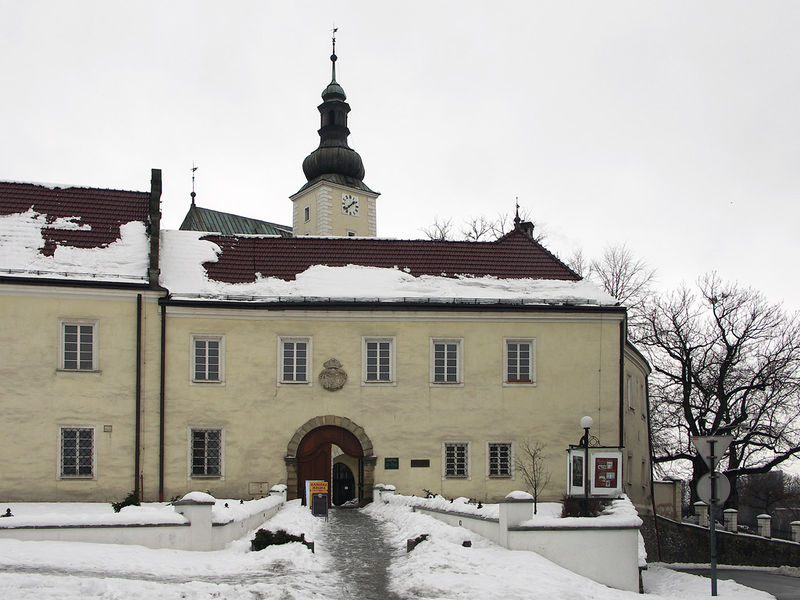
(350, 205)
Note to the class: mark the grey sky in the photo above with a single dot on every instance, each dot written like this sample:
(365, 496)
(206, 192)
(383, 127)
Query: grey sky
(671, 126)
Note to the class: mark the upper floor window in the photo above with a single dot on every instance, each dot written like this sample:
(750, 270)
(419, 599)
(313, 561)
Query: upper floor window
(456, 459)
(446, 361)
(378, 360)
(77, 452)
(206, 452)
(307, 214)
(295, 359)
(500, 459)
(519, 360)
(208, 363)
(78, 346)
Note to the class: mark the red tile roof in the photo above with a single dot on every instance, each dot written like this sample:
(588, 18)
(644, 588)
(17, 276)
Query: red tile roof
(102, 210)
(514, 256)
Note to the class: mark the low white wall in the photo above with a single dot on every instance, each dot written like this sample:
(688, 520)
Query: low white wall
(197, 534)
(486, 527)
(608, 555)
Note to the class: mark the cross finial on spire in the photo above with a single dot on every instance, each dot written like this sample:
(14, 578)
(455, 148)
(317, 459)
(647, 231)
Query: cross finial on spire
(516, 215)
(333, 53)
(194, 168)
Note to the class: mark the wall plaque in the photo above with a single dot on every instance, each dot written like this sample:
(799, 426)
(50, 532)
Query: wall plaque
(391, 463)
(420, 462)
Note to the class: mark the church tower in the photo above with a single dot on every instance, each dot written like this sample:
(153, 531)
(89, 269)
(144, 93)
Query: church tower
(335, 201)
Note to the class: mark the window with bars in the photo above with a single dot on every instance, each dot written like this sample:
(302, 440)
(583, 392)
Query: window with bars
(378, 360)
(208, 359)
(456, 459)
(206, 452)
(446, 361)
(295, 354)
(500, 459)
(77, 452)
(78, 347)
(519, 361)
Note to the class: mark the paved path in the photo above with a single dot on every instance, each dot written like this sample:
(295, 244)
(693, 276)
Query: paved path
(361, 554)
(782, 587)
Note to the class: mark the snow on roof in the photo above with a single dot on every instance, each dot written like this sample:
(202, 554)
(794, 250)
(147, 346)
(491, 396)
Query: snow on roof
(183, 254)
(22, 242)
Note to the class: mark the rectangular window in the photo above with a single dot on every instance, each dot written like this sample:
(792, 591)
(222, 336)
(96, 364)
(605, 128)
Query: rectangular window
(295, 359)
(378, 360)
(306, 214)
(500, 459)
(519, 361)
(208, 359)
(77, 452)
(206, 452)
(456, 459)
(78, 346)
(446, 361)
(629, 391)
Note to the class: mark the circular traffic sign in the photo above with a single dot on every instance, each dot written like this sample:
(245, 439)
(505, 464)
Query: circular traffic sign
(704, 488)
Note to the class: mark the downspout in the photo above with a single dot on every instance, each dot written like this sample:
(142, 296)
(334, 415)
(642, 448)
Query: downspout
(162, 403)
(137, 491)
(622, 340)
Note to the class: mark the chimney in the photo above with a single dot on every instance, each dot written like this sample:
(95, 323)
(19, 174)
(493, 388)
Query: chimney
(155, 225)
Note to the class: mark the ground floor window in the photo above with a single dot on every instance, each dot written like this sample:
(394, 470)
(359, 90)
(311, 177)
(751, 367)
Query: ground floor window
(77, 452)
(500, 459)
(206, 453)
(456, 459)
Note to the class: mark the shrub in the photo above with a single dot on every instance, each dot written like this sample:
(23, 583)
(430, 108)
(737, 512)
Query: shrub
(130, 500)
(573, 507)
(266, 538)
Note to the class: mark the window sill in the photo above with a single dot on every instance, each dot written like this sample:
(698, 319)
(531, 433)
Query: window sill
(205, 477)
(443, 384)
(85, 371)
(294, 383)
(501, 477)
(76, 478)
(519, 384)
(464, 477)
(379, 383)
(207, 382)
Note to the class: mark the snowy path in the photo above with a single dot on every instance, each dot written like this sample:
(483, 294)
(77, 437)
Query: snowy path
(362, 552)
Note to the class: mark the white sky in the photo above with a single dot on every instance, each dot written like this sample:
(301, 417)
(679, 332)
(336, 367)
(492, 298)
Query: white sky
(671, 126)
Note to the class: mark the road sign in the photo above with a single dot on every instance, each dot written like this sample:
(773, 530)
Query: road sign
(704, 488)
(703, 445)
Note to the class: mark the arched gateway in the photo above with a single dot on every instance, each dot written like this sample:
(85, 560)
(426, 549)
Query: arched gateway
(320, 441)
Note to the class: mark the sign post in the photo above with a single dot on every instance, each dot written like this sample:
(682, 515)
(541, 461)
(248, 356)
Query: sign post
(711, 448)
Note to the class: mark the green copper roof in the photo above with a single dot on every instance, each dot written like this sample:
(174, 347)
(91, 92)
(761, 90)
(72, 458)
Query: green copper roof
(204, 219)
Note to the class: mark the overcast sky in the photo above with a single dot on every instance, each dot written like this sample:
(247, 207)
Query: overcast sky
(670, 126)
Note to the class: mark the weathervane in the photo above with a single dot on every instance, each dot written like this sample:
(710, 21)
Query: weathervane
(194, 168)
(333, 53)
(516, 216)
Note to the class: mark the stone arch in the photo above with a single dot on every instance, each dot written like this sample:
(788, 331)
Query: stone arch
(368, 459)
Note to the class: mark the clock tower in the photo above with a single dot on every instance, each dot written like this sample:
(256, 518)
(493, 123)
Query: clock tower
(335, 201)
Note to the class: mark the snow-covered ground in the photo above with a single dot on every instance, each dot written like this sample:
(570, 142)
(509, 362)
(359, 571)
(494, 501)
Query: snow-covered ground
(438, 569)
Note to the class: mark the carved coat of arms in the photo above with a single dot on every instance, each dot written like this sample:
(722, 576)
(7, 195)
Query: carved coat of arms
(333, 377)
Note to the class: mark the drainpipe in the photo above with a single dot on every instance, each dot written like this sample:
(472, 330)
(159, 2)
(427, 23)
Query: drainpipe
(137, 491)
(162, 403)
(622, 340)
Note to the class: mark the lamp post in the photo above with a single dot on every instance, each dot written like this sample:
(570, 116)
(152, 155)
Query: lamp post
(586, 423)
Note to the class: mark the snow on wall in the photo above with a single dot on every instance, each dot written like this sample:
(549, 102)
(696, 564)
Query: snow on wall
(21, 242)
(183, 254)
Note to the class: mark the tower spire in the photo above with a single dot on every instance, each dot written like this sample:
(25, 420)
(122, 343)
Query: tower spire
(333, 54)
(194, 168)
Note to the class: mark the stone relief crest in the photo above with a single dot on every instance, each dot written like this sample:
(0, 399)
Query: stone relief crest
(333, 377)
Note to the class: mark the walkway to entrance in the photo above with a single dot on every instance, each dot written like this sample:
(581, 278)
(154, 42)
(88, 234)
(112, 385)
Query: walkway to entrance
(361, 554)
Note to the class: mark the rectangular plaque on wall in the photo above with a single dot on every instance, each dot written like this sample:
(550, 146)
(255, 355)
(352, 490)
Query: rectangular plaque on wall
(391, 463)
(420, 462)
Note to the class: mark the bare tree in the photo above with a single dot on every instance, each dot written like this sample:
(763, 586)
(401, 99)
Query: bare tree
(578, 263)
(627, 278)
(441, 230)
(476, 229)
(725, 361)
(530, 464)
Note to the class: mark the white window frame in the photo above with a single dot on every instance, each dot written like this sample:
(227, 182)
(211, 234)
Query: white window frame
(60, 468)
(459, 342)
(192, 358)
(531, 361)
(63, 324)
(293, 339)
(468, 475)
(392, 354)
(489, 474)
(190, 454)
(306, 214)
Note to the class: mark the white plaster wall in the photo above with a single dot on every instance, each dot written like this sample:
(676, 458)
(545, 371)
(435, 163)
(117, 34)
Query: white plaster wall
(488, 528)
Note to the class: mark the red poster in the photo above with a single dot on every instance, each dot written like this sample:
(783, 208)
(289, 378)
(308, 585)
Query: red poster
(605, 473)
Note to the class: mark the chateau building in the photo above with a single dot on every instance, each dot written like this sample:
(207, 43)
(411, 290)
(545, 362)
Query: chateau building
(234, 354)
